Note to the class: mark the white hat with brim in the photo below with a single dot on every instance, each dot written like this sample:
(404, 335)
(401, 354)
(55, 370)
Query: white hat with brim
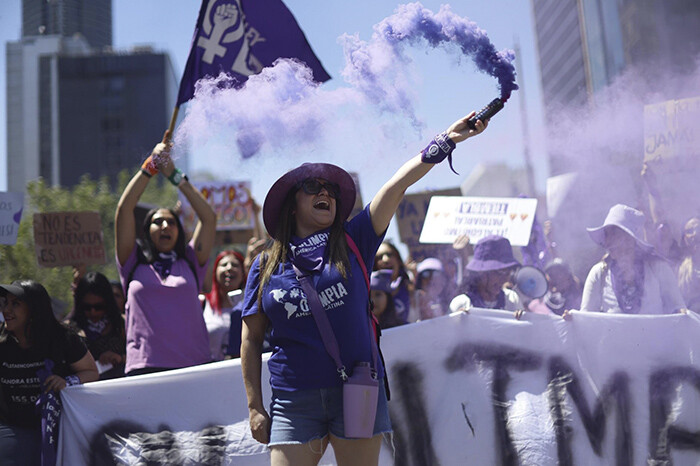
(627, 219)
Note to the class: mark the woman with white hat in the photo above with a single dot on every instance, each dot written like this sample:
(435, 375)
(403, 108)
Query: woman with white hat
(631, 278)
(316, 267)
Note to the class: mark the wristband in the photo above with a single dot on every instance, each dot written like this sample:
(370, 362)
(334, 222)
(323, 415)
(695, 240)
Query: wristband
(72, 380)
(177, 176)
(144, 172)
(438, 150)
(149, 166)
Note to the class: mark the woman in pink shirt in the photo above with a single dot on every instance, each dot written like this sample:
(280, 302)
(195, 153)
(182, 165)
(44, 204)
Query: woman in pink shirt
(162, 275)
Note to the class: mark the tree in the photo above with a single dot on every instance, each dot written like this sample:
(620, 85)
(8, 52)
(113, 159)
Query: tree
(19, 260)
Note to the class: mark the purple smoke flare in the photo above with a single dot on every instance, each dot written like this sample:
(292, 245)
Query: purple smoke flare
(412, 23)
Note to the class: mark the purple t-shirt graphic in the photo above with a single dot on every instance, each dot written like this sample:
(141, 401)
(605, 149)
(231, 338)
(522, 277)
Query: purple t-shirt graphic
(164, 321)
(299, 360)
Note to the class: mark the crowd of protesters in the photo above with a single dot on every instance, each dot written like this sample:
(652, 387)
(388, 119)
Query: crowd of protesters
(157, 317)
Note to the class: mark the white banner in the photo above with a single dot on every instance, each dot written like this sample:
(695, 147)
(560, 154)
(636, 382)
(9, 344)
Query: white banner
(450, 216)
(479, 388)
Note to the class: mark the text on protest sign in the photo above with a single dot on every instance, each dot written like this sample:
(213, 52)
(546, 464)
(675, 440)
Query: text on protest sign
(11, 205)
(670, 129)
(68, 238)
(478, 217)
(231, 201)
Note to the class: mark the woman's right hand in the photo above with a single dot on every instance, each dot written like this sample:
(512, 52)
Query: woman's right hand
(260, 425)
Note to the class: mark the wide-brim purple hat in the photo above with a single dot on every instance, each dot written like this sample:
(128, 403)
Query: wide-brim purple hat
(272, 208)
(627, 219)
(492, 253)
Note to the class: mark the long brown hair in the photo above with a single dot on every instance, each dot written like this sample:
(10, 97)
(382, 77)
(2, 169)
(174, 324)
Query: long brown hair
(277, 253)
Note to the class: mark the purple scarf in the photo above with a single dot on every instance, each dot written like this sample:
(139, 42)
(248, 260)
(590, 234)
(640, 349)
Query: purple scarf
(308, 254)
(50, 406)
(94, 329)
(164, 263)
(628, 294)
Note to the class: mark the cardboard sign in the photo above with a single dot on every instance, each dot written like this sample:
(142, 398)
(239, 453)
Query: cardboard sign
(671, 129)
(477, 217)
(11, 205)
(68, 238)
(231, 200)
(410, 215)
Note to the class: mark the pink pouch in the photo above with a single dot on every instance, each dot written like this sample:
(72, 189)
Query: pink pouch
(360, 393)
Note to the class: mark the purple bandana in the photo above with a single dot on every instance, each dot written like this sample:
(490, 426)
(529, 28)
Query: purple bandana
(164, 263)
(94, 329)
(478, 301)
(50, 406)
(307, 254)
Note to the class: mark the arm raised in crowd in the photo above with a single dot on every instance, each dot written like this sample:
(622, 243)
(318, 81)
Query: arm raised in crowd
(205, 231)
(387, 200)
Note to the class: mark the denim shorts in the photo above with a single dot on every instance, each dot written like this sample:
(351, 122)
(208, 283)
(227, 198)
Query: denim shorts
(304, 415)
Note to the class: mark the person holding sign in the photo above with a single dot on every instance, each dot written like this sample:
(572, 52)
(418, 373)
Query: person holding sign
(161, 274)
(39, 356)
(491, 267)
(317, 269)
(631, 278)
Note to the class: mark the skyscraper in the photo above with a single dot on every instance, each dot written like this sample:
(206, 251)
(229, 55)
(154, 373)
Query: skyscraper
(74, 105)
(90, 18)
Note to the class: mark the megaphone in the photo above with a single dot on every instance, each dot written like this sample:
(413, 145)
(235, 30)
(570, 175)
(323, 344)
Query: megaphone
(531, 282)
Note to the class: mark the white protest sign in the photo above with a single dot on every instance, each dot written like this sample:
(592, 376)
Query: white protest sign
(477, 217)
(11, 205)
(476, 388)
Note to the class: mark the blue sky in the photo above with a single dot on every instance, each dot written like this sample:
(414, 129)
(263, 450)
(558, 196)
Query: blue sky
(445, 91)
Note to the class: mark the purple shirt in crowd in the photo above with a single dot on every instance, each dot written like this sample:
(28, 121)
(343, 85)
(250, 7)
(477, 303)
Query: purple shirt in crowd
(299, 360)
(164, 322)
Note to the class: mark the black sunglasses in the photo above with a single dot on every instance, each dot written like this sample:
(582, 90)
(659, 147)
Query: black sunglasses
(312, 186)
(160, 220)
(97, 307)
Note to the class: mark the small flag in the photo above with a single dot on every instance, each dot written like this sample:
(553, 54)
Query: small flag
(240, 37)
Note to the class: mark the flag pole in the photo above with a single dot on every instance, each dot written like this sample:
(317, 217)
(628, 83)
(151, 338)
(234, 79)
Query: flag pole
(173, 119)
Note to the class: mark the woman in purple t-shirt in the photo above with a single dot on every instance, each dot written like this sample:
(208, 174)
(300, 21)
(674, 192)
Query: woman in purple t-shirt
(305, 212)
(161, 275)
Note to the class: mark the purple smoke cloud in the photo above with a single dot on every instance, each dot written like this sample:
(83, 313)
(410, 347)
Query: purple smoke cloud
(411, 24)
(283, 105)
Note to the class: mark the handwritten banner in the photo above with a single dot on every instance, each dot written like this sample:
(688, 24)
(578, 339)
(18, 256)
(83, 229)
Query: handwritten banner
(231, 201)
(11, 205)
(476, 388)
(68, 238)
(477, 217)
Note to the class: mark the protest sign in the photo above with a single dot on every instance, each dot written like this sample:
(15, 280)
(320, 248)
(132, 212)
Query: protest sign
(671, 154)
(479, 388)
(477, 217)
(231, 201)
(11, 205)
(68, 238)
(671, 130)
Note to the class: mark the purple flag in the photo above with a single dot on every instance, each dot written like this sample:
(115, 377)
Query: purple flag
(240, 37)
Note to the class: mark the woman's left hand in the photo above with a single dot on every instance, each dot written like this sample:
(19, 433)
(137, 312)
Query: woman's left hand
(459, 130)
(54, 383)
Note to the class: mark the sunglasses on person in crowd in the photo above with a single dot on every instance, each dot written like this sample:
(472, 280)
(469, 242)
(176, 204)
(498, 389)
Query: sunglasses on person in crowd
(312, 186)
(98, 307)
(429, 274)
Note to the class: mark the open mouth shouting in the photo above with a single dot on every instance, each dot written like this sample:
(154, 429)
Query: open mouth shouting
(322, 204)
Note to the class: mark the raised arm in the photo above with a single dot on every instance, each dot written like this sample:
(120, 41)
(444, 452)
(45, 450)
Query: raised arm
(205, 231)
(124, 219)
(387, 200)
